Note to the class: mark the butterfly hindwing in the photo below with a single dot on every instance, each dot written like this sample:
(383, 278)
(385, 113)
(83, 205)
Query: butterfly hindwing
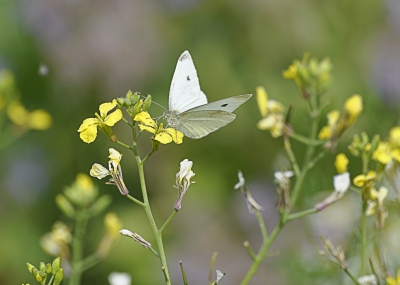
(196, 125)
(185, 92)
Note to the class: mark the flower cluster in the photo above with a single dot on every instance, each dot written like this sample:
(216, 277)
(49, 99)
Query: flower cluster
(390, 149)
(272, 112)
(338, 121)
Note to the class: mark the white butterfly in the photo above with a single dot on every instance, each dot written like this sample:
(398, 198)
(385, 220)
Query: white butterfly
(188, 111)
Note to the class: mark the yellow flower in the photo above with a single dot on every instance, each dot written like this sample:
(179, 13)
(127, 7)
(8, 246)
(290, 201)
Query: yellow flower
(164, 136)
(291, 72)
(354, 106)
(104, 121)
(394, 281)
(272, 113)
(37, 119)
(361, 180)
(112, 224)
(341, 163)
(382, 153)
(327, 131)
(394, 136)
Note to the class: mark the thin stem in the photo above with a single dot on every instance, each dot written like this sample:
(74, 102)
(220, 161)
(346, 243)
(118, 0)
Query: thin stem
(154, 251)
(157, 234)
(77, 247)
(261, 254)
(126, 146)
(262, 225)
(140, 203)
(306, 140)
(291, 156)
(363, 238)
(185, 282)
(88, 262)
(252, 254)
(301, 214)
(211, 270)
(313, 135)
(351, 276)
(167, 222)
(147, 157)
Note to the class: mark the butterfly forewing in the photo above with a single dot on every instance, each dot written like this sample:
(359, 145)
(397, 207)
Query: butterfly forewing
(196, 125)
(228, 104)
(185, 93)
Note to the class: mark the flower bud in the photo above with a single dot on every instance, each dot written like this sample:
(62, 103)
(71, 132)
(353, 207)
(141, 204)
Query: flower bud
(135, 98)
(121, 101)
(137, 108)
(42, 266)
(128, 95)
(147, 102)
(48, 268)
(31, 268)
(59, 276)
(65, 206)
(100, 204)
(55, 266)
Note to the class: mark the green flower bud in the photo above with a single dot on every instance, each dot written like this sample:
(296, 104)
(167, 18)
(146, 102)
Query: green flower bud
(42, 266)
(374, 143)
(55, 266)
(155, 145)
(48, 268)
(147, 102)
(121, 101)
(135, 98)
(100, 204)
(31, 268)
(137, 108)
(59, 276)
(128, 95)
(65, 206)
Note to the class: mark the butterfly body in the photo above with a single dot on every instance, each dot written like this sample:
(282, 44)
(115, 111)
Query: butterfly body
(189, 112)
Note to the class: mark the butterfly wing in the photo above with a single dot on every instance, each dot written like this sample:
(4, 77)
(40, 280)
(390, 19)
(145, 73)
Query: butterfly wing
(229, 104)
(185, 93)
(197, 124)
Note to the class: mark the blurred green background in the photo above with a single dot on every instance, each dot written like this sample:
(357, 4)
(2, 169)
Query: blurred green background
(96, 50)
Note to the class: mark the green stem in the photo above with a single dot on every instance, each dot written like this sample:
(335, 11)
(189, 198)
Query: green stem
(301, 214)
(88, 262)
(126, 146)
(306, 140)
(351, 276)
(247, 246)
(157, 233)
(363, 238)
(77, 247)
(313, 135)
(135, 200)
(261, 254)
(292, 157)
(261, 224)
(167, 222)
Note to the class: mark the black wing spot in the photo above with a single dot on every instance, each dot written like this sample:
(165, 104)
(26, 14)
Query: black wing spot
(224, 105)
(188, 78)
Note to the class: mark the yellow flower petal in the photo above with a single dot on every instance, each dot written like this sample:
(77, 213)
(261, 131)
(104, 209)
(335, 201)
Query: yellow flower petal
(266, 123)
(341, 163)
(17, 113)
(325, 133)
(275, 106)
(371, 175)
(145, 118)
(291, 72)
(113, 118)
(262, 100)
(354, 105)
(394, 136)
(382, 153)
(396, 154)
(177, 136)
(87, 123)
(112, 224)
(89, 134)
(107, 107)
(147, 129)
(371, 208)
(84, 181)
(163, 138)
(359, 180)
(39, 120)
(333, 117)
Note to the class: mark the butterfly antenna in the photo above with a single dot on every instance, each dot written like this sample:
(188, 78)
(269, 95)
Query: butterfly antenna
(144, 97)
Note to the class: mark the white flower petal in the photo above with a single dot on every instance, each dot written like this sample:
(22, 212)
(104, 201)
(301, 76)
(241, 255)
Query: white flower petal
(341, 182)
(114, 155)
(119, 278)
(99, 171)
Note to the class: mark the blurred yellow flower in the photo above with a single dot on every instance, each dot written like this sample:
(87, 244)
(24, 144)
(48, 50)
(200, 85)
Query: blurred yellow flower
(164, 136)
(56, 242)
(354, 107)
(104, 121)
(361, 180)
(272, 113)
(37, 119)
(328, 130)
(388, 150)
(291, 72)
(341, 163)
(382, 153)
(112, 224)
(392, 280)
